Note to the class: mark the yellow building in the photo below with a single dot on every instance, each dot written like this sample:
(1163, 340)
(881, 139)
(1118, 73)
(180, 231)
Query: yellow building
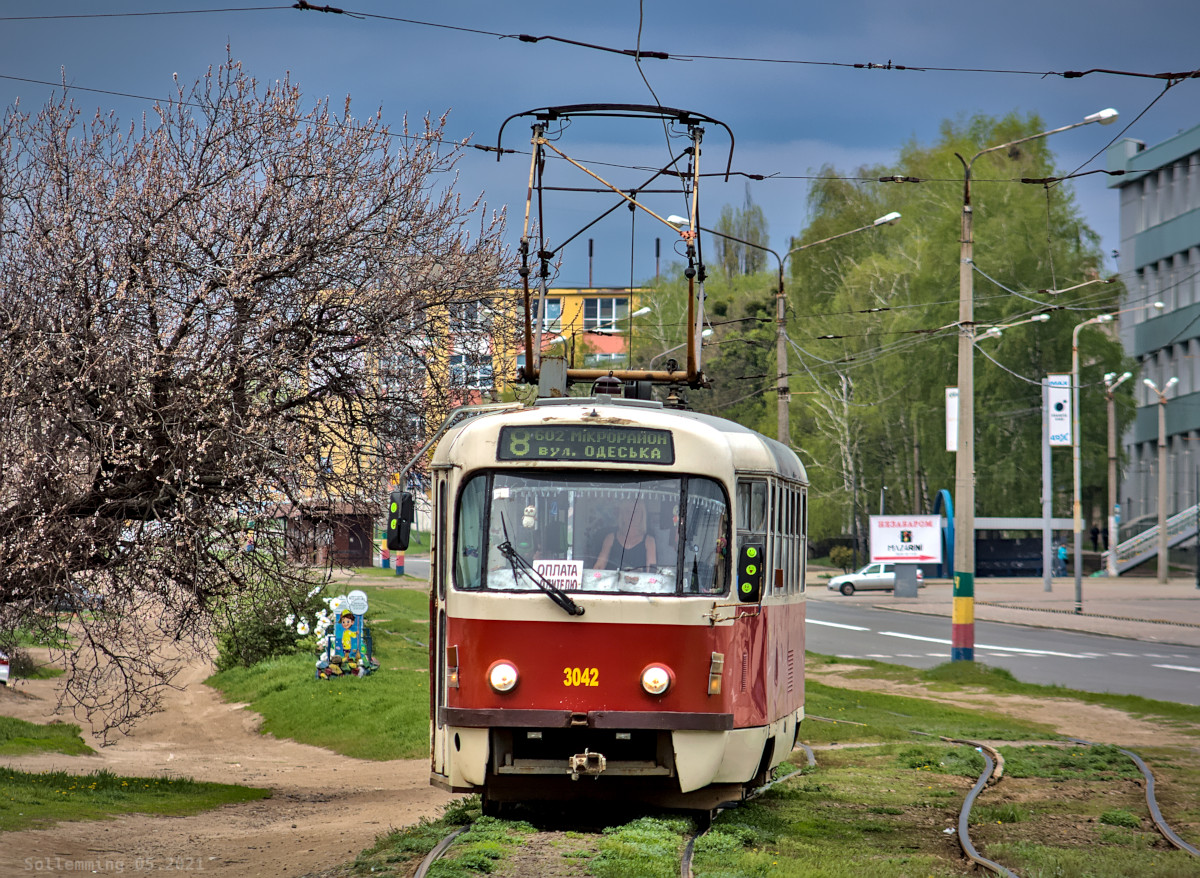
(591, 325)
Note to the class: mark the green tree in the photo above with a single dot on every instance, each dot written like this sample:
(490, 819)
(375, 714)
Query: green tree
(873, 324)
(749, 224)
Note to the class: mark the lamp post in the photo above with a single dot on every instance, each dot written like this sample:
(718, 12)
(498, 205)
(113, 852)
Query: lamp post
(783, 432)
(963, 616)
(1111, 382)
(1162, 473)
(1076, 429)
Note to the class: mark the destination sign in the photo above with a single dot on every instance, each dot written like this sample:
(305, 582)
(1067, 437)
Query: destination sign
(590, 444)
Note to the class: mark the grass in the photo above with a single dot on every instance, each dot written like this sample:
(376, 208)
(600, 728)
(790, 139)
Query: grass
(959, 676)
(382, 716)
(34, 800)
(873, 716)
(18, 738)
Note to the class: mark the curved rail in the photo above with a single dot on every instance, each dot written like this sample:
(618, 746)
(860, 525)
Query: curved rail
(1155, 815)
(440, 848)
(964, 837)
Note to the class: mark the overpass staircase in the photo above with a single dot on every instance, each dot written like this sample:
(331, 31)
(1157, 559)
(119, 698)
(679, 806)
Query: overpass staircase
(1181, 526)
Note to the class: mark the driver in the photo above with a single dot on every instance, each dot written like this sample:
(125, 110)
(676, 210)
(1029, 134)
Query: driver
(629, 546)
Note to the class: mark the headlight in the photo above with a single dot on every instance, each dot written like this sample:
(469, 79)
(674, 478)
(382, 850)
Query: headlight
(656, 679)
(502, 675)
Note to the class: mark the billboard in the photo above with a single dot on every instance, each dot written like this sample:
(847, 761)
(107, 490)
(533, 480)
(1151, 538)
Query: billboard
(906, 539)
(1058, 409)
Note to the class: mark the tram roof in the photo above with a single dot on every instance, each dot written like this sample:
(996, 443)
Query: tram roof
(753, 450)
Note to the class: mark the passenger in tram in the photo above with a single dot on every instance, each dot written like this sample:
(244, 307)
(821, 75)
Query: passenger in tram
(629, 546)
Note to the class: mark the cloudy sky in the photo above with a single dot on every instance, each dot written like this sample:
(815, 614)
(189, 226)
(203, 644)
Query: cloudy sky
(799, 106)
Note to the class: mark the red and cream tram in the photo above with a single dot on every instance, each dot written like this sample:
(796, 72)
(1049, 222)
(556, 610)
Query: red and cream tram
(617, 604)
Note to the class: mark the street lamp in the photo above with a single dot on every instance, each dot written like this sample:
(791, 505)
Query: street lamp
(1076, 429)
(1111, 382)
(705, 334)
(997, 331)
(963, 619)
(783, 432)
(1162, 473)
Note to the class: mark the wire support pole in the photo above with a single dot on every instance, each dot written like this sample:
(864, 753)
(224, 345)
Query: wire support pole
(962, 637)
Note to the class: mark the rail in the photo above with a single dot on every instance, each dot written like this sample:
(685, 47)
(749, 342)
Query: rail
(1141, 548)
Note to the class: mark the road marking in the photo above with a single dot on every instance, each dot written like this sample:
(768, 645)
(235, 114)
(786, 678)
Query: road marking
(837, 625)
(1124, 654)
(1179, 668)
(983, 645)
(1154, 655)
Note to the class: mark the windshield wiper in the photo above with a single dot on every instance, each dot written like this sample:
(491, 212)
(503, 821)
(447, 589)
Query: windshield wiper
(520, 565)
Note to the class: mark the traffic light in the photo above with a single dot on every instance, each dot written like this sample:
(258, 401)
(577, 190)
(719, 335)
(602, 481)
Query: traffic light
(399, 520)
(750, 573)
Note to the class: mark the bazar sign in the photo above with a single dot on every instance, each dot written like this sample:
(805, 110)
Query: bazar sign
(911, 539)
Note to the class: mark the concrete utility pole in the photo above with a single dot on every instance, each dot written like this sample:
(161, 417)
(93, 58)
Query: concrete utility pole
(963, 614)
(1162, 474)
(783, 392)
(1111, 382)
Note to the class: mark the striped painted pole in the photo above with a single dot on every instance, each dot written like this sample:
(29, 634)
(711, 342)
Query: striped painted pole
(962, 627)
(399, 563)
(385, 557)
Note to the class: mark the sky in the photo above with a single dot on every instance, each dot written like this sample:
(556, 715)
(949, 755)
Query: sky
(800, 109)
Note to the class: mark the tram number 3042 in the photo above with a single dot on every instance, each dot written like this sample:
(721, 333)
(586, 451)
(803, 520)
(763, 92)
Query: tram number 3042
(581, 677)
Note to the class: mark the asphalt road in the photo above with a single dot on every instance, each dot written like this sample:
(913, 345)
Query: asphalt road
(1090, 662)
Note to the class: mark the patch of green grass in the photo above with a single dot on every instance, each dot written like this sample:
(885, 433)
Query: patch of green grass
(857, 813)
(649, 847)
(381, 716)
(894, 718)
(34, 800)
(973, 675)
(1121, 860)
(18, 737)
(1005, 812)
(1075, 760)
(394, 851)
(1121, 817)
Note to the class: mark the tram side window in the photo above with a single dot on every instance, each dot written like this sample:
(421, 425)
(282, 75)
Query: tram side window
(468, 548)
(752, 510)
(706, 541)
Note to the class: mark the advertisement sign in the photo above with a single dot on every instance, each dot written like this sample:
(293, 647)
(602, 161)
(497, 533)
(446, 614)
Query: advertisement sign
(906, 539)
(1058, 411)
(952, 419)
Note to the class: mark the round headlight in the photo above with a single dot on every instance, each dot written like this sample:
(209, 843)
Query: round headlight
(502, 676)
(656, 679)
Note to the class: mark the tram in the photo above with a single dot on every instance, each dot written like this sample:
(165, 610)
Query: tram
(616, 605)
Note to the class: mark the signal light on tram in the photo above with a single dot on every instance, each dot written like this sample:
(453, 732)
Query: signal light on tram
(715, 669)
(750, 573)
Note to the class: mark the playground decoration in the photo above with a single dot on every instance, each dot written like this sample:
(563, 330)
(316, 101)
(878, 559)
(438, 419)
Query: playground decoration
(347, 649)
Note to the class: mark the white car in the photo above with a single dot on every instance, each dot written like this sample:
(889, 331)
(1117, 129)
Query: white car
(873, 577)
(3, 669)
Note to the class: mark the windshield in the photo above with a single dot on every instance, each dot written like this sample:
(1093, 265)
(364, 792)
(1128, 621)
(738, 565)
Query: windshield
(585, 532)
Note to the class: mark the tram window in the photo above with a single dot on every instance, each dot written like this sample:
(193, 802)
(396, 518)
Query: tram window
(752, 505)
(468, 545)
(584, 531)
(706, 541)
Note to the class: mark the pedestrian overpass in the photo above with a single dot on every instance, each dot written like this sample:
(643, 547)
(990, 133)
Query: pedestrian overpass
(1181, 526)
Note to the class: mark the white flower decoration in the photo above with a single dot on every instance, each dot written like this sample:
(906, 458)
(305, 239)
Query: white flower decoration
(290, 619)
(302, 628)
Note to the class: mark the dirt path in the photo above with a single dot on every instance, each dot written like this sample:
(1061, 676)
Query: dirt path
(325, 809)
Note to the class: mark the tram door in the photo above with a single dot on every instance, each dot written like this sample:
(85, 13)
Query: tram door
(439, 571)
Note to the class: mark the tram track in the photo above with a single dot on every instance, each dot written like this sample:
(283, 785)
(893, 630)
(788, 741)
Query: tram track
(992, 774)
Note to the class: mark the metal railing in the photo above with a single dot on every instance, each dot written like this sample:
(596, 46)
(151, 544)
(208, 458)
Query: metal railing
(1140, 548)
